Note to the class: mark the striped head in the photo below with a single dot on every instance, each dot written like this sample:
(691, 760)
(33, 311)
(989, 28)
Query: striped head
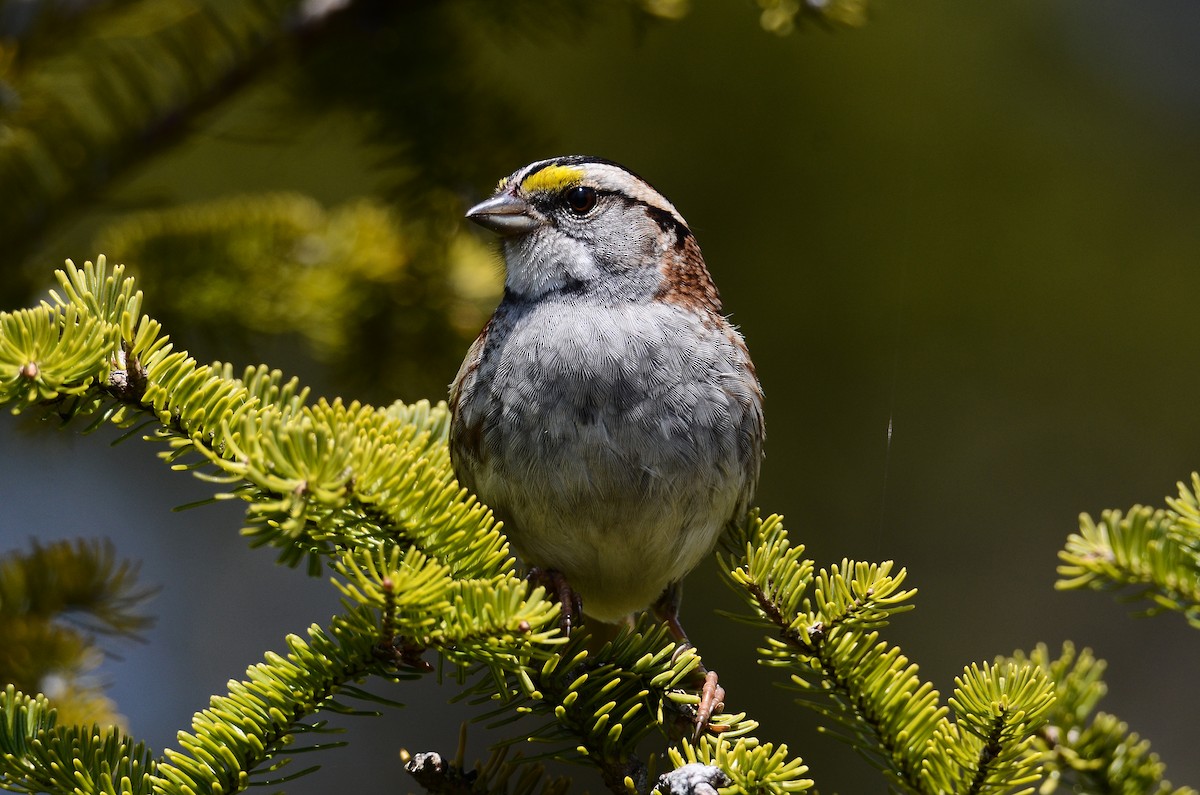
(583, 226)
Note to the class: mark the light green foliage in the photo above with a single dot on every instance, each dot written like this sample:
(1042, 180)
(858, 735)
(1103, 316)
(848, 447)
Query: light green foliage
(43, 356)
(1151, 554)
(38, 755)
(998, 709)
(253, 726)
(1085, 753)
(599, 703)
(369, 495)
(751, 766)
(824, 630)
(1186, 508)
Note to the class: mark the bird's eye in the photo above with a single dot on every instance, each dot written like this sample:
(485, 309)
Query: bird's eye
(580, 199)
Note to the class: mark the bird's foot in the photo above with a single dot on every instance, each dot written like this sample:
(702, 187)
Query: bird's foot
(712, 695)
(712, 698)
(712, 701)
(570, 605)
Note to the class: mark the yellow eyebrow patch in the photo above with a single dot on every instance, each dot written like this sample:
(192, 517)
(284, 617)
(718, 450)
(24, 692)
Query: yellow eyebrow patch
(552, 178)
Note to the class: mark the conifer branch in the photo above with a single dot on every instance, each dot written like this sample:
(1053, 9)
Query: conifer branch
(367, 491)
(1144, 555)
(369, 494)
(599, 704)
(1080, 749)
(251, 727)
(750, 766)
(824, 628)
(37, 755)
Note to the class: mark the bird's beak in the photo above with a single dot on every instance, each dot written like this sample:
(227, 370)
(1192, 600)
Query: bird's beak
(505, 215)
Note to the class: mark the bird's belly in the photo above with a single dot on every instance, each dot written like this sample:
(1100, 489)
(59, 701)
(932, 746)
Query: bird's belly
(620, 513)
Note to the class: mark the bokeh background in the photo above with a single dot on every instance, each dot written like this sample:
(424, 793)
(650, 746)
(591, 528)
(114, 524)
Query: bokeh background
(962, 240)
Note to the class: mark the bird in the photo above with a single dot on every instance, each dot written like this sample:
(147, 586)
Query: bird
(608, 413)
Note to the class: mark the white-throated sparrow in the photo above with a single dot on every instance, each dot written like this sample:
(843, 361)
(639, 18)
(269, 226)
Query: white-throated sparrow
(608, 413)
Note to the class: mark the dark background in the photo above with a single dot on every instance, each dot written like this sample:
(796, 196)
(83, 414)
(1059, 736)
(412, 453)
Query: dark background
(962, 243)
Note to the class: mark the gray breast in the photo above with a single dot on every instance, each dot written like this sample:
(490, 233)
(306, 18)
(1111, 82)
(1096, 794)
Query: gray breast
(609, 394)
(589, 428)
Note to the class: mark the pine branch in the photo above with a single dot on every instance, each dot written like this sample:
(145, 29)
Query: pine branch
(318, 479)
(989, 747)
(1086, 752)
(37, 755)
(824, 629)
(370, 493)
(250, 729)
(751, 767)
(1144, 555)
(597, 704)
(1186, 509)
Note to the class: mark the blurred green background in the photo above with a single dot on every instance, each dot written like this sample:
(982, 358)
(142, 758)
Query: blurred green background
(963, 243)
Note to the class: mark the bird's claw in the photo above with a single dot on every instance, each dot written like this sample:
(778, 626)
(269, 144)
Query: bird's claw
(712, 701)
